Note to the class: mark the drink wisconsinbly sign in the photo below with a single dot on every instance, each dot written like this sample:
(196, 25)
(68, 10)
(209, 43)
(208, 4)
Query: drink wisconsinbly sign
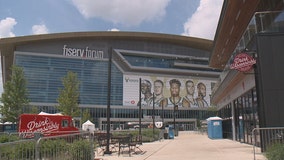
(243, 62)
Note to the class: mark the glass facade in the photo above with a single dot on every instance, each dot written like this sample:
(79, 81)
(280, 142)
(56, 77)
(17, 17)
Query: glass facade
(158, 62)
(44, 76)
(185, 119)
(118, 112)
(244, 111)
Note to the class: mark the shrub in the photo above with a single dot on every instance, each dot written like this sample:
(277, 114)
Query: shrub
(4, 138)
(81, 149)
(275, 152)
(48, 149)
(147, 134)
(25, 150)
(7, 152)
(54, 146)
(8, 138)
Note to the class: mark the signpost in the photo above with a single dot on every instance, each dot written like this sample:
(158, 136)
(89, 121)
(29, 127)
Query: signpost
(153, 114)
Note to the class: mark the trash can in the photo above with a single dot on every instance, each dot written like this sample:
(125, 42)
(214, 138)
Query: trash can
(166, 135)
(214, 128)
(166, 132)
(171, 132)
(176, 129)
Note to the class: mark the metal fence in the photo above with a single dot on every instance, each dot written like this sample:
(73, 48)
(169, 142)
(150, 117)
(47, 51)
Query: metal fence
(263, 138)
(76, 146)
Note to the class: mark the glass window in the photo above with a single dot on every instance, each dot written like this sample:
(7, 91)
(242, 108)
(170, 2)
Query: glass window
(44, 78)
(64, 123)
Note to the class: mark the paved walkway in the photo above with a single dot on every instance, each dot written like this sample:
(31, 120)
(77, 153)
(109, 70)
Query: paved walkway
(191, 146)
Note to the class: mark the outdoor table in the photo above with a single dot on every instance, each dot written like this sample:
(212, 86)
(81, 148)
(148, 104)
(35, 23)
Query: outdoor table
(123, 142)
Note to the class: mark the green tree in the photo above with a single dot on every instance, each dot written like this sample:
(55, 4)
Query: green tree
(34, 110)
(69, 95)
(86, 115)
(15, 96)
(213, 109)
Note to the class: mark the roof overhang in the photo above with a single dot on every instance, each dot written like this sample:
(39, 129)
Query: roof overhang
(234, 19)
(8, 44)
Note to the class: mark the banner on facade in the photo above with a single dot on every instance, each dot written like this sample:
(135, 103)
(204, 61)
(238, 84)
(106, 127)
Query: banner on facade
(167, 91)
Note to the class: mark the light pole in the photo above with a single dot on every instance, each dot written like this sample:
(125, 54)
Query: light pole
(153, 113)
(108, 102)
(163, 113)
(175, 109)
(140, 110)
(174, 112)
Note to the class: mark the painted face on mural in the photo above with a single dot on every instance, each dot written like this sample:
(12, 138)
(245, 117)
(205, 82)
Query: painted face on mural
(201, 89)
(145, 86)
(166, 89)
(158, 88)
(190, 88)
(175, 88)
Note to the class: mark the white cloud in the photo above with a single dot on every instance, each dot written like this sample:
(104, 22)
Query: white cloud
(113, 29)
(204, 21)
(126, 12)
(6, 27)
(39, 29)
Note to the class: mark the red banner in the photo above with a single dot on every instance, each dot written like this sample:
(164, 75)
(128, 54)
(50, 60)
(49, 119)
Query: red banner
(243, 62)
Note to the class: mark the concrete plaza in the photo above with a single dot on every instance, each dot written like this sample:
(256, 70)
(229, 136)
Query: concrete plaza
(193, 146)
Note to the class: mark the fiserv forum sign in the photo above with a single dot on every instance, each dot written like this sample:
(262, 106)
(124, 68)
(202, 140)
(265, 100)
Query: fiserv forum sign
(82, 52)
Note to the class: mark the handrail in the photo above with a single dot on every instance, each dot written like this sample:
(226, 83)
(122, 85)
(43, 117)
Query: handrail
(270, 129)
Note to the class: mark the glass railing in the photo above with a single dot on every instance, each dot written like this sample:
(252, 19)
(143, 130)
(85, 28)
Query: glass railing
(269, 21)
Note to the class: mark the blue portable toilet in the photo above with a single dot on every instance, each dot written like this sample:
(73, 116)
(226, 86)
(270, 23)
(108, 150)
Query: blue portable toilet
(214, 127)
(171, 132)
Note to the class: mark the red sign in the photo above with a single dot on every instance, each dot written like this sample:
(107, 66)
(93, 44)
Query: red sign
(243, 62)
(47, 124)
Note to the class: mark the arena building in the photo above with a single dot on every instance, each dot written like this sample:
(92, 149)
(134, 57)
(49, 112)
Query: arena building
(244, 99)
(129, 57)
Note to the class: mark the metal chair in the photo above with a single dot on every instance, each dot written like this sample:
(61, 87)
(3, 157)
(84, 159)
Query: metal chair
(113, 144)
(135, 144)
(123, 144)
(102, 142)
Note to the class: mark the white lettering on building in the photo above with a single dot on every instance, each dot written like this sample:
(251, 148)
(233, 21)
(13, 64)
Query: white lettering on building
(83, 53)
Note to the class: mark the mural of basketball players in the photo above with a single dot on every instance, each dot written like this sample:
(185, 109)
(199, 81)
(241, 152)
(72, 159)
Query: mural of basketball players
(158, 92)
(175, 98)
(201, 90)
(190, 89)
(147, 98)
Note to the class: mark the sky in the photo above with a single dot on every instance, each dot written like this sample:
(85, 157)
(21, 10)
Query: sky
(194, 18)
